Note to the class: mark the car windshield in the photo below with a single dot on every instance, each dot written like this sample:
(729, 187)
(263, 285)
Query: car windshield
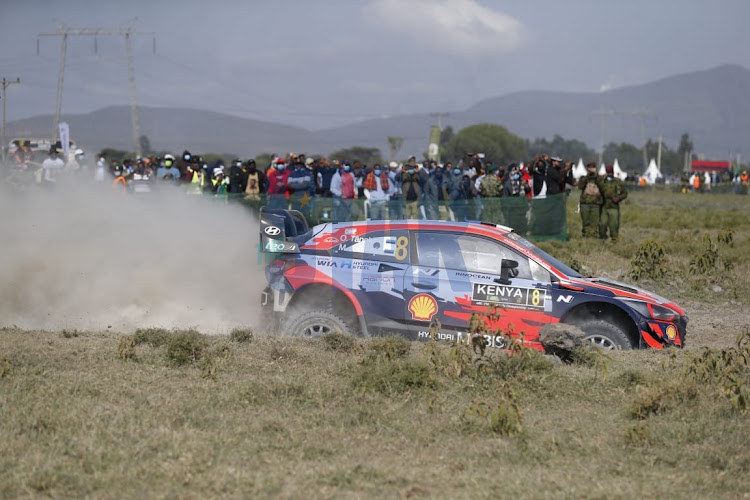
(563, 268)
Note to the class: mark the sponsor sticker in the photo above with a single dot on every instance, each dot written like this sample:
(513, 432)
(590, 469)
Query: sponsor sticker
(331, 239)
(511, 296)
(671, 332)
(272, 231)
(422, 307)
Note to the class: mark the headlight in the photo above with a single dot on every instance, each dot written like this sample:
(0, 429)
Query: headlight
(652, 310)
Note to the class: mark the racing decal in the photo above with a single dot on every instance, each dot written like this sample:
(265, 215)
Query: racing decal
(498, 341)
(510, 296)
(402, 248)
(671, 332)
(272, 231)
(476, 276)
(370, 281)
(343, 263)
(422, 307)
(280, 246)
(331, 239)
(565, 298)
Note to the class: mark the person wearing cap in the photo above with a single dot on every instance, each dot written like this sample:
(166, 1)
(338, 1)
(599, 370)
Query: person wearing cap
(591, 201)
(237, 177)
(613, 192)
(255, 181)
(167, 170)
(219, 182)
(411, 189)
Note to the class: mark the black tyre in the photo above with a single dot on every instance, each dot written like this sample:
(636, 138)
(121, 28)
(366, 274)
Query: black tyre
(604, 334)
(315, 324)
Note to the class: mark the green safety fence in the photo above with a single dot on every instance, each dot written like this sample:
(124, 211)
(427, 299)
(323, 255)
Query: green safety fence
(540, 219)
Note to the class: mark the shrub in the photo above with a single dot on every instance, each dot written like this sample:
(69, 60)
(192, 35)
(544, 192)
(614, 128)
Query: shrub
(127, 347)
(339, 342)
(649, 261)
(154, 337)
(186, 346)
(502, 417)
(5, 368)
(69, 334)
(241, 335)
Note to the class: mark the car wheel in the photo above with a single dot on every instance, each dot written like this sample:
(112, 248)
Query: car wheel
(315, 324)
(604, 334)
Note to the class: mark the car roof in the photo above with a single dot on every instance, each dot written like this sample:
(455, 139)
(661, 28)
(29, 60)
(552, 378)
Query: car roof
(379, 225)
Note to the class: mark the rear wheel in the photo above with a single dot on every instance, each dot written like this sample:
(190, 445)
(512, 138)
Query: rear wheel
(314, 324)
(604, 335)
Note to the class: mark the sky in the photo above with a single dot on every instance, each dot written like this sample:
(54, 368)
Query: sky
(324, 63)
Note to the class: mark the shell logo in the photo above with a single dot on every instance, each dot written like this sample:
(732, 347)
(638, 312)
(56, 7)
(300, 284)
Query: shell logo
(422, 307)
(671, 332)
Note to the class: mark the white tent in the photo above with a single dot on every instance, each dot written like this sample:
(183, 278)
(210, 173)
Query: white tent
(652, 173)
(579, 170)
(602, 170)
(619, 173)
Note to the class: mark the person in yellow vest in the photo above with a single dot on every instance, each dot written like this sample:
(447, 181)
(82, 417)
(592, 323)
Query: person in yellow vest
(197, 182)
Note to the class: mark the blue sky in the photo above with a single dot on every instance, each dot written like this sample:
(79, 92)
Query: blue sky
(329, 62)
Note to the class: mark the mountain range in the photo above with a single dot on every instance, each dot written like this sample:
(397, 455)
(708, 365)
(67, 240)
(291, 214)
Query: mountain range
(712, 106)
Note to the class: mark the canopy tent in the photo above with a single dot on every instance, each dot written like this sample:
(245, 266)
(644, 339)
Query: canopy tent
(618, 171)
(652, 173)
(579, 170)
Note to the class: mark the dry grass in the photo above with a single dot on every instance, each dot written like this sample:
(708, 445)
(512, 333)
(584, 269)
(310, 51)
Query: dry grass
(108, 416)
(299, 419)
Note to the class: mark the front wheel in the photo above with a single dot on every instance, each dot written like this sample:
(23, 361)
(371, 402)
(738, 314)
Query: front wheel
(315, 324)
(605, 335)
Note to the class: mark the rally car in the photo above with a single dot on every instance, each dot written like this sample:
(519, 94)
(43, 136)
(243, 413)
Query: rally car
(399, 277)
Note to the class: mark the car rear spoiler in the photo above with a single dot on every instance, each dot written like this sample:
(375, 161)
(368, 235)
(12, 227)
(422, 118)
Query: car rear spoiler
(282, 230)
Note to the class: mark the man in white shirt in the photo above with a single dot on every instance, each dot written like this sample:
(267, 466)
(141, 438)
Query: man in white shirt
(52, 166)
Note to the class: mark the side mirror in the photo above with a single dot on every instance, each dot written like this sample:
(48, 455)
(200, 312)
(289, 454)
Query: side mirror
(508, 269)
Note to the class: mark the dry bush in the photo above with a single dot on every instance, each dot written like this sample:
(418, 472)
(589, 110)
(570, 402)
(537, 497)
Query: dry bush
(241, 335)
(185, 347)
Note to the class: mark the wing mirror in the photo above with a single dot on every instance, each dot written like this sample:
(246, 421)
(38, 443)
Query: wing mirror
(508, 269)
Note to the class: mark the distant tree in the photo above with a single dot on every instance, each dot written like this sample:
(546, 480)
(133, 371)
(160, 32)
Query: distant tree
(367, 156)
(145, 144)
(446, 134)
(394, 145)
(686, 145)
(263, 160)
(628, 156)
(494, 141)
(571, 149)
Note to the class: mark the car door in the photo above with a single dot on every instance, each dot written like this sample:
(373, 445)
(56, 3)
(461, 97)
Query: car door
(459, 274)
(372, 266)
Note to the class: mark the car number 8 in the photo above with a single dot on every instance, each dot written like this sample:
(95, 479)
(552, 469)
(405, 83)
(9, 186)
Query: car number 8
(401, 248)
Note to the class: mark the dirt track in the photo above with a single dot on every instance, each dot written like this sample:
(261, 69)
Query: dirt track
(715, 325)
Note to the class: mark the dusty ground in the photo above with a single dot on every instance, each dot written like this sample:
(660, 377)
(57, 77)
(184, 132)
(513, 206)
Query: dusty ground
(715, 325)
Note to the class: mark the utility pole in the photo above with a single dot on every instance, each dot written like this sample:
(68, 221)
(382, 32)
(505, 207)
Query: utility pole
(440, 119)
(128, 32)
(6, 83)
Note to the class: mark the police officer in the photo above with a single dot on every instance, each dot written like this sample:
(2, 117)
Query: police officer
(590, 204)
(613, 191)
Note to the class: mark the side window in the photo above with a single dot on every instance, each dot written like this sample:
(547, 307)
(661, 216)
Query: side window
(467, 253)
(485, 256)
(391, 246)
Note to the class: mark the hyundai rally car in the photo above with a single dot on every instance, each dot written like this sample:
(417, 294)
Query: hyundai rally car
(386, 277)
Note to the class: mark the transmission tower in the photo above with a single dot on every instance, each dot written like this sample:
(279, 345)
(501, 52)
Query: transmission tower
(6, 83)
(639, 112)
(128, 32)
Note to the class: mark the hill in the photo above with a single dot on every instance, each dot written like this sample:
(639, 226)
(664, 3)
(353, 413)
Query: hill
(713, 106)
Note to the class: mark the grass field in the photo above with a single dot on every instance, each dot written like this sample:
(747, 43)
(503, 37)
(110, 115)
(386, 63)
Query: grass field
(177, 414)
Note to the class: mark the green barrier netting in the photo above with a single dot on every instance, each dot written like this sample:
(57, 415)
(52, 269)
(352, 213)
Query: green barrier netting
(540, 219)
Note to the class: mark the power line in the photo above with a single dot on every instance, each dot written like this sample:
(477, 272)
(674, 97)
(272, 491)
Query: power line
(639, 112)
(5, 83)
(128, 32)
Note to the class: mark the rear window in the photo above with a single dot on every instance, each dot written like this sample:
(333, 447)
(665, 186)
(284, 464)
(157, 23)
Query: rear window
(383, 246)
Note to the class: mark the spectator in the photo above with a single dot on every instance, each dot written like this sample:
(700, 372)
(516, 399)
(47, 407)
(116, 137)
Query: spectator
(277, 184)
(301, 186)
(377, 187)
(515, 203)
(459, 191)
(343, 192)
(237, 177)
(491, 188)
(325, 174)
(395, 202)
(412, 192)
(255, 182)
(52, 166)
(167, 171)
(429, 191)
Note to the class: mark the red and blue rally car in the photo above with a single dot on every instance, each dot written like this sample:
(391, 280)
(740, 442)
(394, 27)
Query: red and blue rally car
(386, 277)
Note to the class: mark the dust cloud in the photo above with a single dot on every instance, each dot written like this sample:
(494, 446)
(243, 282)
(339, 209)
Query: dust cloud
(87, 258)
